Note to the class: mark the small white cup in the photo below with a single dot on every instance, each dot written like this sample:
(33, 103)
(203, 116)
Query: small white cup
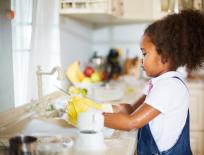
(90, 120)
(90, 140)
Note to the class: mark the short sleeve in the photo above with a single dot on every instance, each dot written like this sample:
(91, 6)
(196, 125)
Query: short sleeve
(162, 94)
(145, 90)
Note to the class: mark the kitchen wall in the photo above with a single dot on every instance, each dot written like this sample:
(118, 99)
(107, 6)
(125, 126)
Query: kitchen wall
(79, 40)
(126, 37)
(76, 41)
(6, 73)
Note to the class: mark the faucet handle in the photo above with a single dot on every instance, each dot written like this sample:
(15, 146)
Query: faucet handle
(61, 74)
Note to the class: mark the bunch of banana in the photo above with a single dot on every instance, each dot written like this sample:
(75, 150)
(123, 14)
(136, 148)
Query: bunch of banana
(79, 103)
(73, 72)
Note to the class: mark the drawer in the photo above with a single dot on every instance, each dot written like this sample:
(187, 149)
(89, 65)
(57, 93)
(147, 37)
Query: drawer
(197, 142)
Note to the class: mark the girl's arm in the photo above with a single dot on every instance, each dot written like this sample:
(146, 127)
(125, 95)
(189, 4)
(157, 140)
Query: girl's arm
(127, 108)
(137, 119)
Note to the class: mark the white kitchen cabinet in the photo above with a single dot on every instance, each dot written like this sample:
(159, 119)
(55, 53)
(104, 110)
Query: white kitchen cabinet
(147, 10)
(89, 6)
(157, 13)
(121, 11)
(92, 11)
(160, 9)
(196, 91)
(197, 142)
(137, 10)
(107, 11)
(197, 108)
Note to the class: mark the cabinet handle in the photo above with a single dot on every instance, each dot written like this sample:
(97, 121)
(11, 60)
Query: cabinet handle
(113, 9)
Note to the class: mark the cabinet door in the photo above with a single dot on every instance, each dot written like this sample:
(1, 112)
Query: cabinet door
(196, 109)
(157, 13)
(137, 9)
(197, 142)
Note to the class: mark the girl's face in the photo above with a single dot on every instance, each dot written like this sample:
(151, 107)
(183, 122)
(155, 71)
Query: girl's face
(152, 61)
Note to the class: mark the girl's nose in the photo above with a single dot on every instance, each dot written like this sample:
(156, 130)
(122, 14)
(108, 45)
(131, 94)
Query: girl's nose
(142, 61)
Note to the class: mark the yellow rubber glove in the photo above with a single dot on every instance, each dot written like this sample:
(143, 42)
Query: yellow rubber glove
(78, 104)
(77, 91)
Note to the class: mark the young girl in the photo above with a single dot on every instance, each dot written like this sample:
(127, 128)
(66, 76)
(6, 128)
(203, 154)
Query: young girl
(162, 113)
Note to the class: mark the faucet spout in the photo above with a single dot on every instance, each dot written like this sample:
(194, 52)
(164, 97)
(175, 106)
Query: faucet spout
(39, 73)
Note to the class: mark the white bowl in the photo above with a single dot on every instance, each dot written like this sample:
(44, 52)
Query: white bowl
(90, 140)
(53, 145)
(108, 93)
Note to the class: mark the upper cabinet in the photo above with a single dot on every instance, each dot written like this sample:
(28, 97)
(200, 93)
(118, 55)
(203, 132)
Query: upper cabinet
(157, 7)
(95, 11)
(137, 10)
(89, 6)
(107, 11)
(123, 11)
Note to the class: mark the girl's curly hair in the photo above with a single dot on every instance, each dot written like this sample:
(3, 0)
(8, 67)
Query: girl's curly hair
(179, 39)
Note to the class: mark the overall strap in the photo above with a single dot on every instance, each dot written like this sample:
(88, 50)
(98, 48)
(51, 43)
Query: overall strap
(176, 77)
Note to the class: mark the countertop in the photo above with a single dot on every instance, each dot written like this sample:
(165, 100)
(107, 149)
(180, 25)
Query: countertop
(120, 142)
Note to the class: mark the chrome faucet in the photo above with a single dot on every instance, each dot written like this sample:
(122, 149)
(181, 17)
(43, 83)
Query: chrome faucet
(39, 74)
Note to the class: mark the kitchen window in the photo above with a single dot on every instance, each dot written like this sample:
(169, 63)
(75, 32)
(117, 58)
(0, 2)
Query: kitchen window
(22, 25)
(21, 46)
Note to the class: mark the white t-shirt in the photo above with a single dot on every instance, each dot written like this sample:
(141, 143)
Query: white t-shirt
(170, 96)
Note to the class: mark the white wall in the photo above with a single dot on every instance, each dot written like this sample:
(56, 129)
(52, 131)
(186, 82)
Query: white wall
(75, 40)
(78, 40)
(6, 73)
(119, 36)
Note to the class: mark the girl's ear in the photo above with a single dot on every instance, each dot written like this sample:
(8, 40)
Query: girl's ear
(164, 60)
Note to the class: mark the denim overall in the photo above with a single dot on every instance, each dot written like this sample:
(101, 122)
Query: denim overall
(147, 145)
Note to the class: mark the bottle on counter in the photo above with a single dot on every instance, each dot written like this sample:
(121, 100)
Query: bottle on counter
(132, 66)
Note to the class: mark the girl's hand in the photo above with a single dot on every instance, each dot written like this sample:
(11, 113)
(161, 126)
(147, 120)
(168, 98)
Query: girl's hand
(116, 108)
(122, 108)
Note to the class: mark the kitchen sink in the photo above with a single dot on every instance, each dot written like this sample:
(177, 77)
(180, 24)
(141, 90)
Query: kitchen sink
(39, 126)
(49, 127)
